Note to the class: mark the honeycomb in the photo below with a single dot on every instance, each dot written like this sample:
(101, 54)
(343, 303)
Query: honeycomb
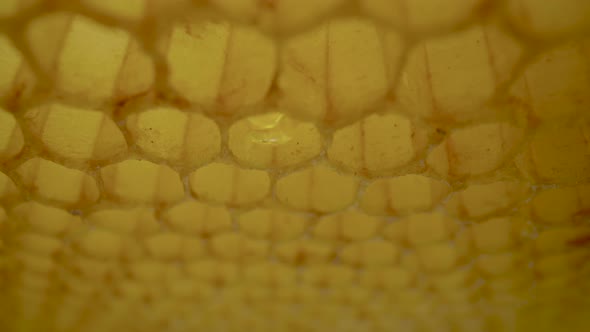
(294, 165)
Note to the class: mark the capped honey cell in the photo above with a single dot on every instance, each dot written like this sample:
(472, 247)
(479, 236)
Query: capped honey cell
(241, 64)
(16, 78)
(317, 188)
(126, 220)
(44, 218)
(140, 181)
(180, 138)
(474, 150)
(76, 134)
(497, 234)
(273, 140)
(370, 253)
(229, 184)
(403, 195)
(377, 144)
(327, 78)
(57, 183)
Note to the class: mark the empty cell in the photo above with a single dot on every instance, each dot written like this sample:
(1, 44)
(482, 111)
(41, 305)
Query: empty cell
(11, 136)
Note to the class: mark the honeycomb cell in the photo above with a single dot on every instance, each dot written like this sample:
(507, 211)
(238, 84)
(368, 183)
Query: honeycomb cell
(370, 253)
(214, 271)
(549, 19)
(39, 244)
(169, 245)
(426, 228)
(16, 78)
(347, 226)
(267, 273)
(484, 200)
(304, 251)
(229, 184)
(284, 16)
(237, 246)
(452, 78)
(11, 136)
(8, 190)
(240, 65)
(377, 144)
(44, 219)
(183, 139)
(317, 188)
(101, 243)
(439, 257)
(125, 221)
(495, 264)
(272, 224)
(555, 85)
(559, 206)
(76, 134)
(198, 218)
(387, 278)
(556, 240)
(422, 15)
(140, 181)
(131, 10)
(328, 274)
(474, 150)
(560, 264)
(57, 183)
(496, 234)
(91, 62)
(327, 78)
(403, 195)
(273, 140)
(557, 153)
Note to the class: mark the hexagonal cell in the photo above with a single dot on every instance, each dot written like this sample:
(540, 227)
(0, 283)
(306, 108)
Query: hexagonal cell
(92, 63)
(423, 15)
(549, 19)
(139, 181)
(377, 145)
(229, 184)
(317, 188)
(240, 65)
(557, 153)
(327, 78)
(453, 78)
(273, 140)
(57, 183)
(403, 195)
(555, 84)
(76, 134)
(475, 150)
(12, 140)
(179, 138)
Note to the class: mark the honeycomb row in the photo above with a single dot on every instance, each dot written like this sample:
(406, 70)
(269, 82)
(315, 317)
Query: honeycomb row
(378, 145)
(191, 226)
(536, 19)
(321, 75)
(315, 189)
